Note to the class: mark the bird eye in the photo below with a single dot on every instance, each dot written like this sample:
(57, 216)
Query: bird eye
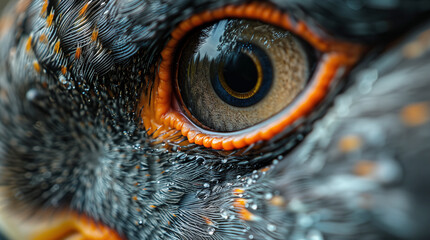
(241, 74)
(235, 73)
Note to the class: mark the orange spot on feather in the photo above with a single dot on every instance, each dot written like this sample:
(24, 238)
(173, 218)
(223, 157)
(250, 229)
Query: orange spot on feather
(44, 7)
(364, 168)
(43, 38)
(83, 9)
(28, 44)
(78, 52)
(57, 47)
(49, 19)
(94, 35)
(350, 143)
(208, 221)
(36, 66)
(244, 214)
(415, 114)
(238, 191)
(63, 70)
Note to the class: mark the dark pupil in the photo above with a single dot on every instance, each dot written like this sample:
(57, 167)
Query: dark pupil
(242, 75)
(240, 72)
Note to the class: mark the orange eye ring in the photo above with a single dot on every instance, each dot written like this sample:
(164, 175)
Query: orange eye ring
(162, 113)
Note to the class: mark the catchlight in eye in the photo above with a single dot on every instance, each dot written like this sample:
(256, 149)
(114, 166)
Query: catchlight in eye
(237, 75)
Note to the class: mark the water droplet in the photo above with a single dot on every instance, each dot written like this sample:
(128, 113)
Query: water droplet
(249, 181)
(268, 196)
(251, 236)
(206, 185)
(224, 160)
(314, 235)
(254, 206)
(63, 80)
(224, 214)
(296, 205)
(31, 94)
(367, 79)
(211, 230)
(271, 227)
(305, 220)
(55, 188)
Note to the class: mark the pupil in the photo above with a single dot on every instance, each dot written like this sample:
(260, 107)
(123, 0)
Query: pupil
(240, 72)
(242, 75)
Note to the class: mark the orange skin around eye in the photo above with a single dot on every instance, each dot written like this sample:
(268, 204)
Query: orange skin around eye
(163, 115)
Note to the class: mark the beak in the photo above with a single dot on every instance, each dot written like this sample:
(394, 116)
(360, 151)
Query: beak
(63, 226)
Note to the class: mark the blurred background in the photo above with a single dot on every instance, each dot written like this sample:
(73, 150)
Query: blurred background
(3, 3)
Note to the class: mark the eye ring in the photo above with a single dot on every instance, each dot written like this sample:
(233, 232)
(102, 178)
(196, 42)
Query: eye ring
(164, 112)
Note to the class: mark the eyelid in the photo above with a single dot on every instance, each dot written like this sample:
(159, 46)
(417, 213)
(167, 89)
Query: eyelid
(163, 115)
